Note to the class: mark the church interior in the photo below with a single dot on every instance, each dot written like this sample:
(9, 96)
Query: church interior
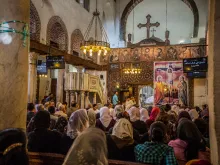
(118, 82)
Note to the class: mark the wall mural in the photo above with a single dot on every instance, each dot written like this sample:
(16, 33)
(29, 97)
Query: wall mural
(170, 83)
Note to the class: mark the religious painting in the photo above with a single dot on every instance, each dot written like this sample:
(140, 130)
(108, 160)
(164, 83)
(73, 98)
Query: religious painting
(147, 54)
(170, 83)
(159, 53)
(114, 55)
(135, 54)
(104, 59)
(184, 52)
(93, 82)
(172, 53)
(125, 55)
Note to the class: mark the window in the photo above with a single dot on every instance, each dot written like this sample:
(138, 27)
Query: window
(84, 3)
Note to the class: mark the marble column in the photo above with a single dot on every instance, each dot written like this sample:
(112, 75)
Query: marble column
(94, 98)
(68, 98)
(214, 79)
(72, 96)
(14, 68)
(32, 77)
(59, 94)
(87, 99)
(82, 99)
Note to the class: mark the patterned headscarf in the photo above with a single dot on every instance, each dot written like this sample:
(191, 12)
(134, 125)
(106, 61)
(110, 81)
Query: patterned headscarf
(61, 124)
(78, 122)
(89, 148)
(122, 129)
(105, 116)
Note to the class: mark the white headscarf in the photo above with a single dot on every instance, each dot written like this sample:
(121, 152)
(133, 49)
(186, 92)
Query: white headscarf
(134, 114)
(92, 118)
(193, 114)
(78, 122)
(122, 129)
(175, 108)
(144, 114)
(117, 109)
(128, 104)
(105, 116)
(89, 148)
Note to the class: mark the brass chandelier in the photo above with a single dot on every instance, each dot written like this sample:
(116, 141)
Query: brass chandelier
(100, 44)
(132, 70)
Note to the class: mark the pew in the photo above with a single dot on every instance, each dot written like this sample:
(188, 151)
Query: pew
(57, 159)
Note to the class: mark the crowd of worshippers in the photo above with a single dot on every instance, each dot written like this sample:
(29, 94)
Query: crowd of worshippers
(163, 135)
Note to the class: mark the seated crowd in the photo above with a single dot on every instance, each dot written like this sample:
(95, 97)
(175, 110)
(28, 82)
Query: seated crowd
(162, 135)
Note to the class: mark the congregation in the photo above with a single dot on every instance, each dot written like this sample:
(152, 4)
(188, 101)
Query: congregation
(168, 135)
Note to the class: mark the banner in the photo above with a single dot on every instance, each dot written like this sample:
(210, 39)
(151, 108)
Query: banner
(170, 83)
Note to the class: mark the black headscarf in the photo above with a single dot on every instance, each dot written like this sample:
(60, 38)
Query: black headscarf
(188, 132)
(42, 119)
(61, 124)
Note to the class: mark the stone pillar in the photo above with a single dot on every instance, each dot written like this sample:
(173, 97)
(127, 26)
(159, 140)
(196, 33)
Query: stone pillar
(94, 98)
(82, 99)
(214, 79)
(14, 68)
(59, 96)
(32, 77)
(87, 99)
(68, 98)
(72, 96)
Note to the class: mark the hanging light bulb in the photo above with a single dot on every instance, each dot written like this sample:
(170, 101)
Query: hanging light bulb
(90, 51)
(105, 52)
(99, 52)
(84, 51)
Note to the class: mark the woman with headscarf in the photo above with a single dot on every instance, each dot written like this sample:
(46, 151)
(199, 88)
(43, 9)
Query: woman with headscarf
(154, 113)
(121, 143)
(144, 115)
(42, 139)
(137, 124)
(155, 152)
(92, 117)
(105, 122)
(13, 147)
(193, 114)
(78, 122)
(89, 148)
(118, 109)
(189, 143)
(61, 125)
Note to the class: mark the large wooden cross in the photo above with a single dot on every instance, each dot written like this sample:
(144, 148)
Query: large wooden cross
(148, 25)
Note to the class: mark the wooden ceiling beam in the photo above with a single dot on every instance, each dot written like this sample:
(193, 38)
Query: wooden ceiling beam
(43, 49)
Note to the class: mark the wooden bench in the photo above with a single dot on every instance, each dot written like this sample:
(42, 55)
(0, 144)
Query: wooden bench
(57, 159)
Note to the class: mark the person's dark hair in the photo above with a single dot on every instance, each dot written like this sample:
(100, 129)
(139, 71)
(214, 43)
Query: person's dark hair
(73, 104)
(64, 103)
(167, 107)
(183, 114)
(42, 119)
(188, 132)
(123, 115)
(13, 147)
(51, 109)
(61, 124)
(149, 109)
(205, 106)
(197, 109)
(201, 125)
(106, 105)
(30, 106)
(94, 105)
(158, 132)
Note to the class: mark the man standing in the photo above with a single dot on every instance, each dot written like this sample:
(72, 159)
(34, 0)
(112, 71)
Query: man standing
(115, 99)
(50, 97)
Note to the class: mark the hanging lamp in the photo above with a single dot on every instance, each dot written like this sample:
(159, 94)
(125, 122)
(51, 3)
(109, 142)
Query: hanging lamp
(100, 44)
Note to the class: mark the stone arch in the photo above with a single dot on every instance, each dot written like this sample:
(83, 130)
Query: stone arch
(35, 24)
(76, 39)
(57, 33)
(133, 3)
